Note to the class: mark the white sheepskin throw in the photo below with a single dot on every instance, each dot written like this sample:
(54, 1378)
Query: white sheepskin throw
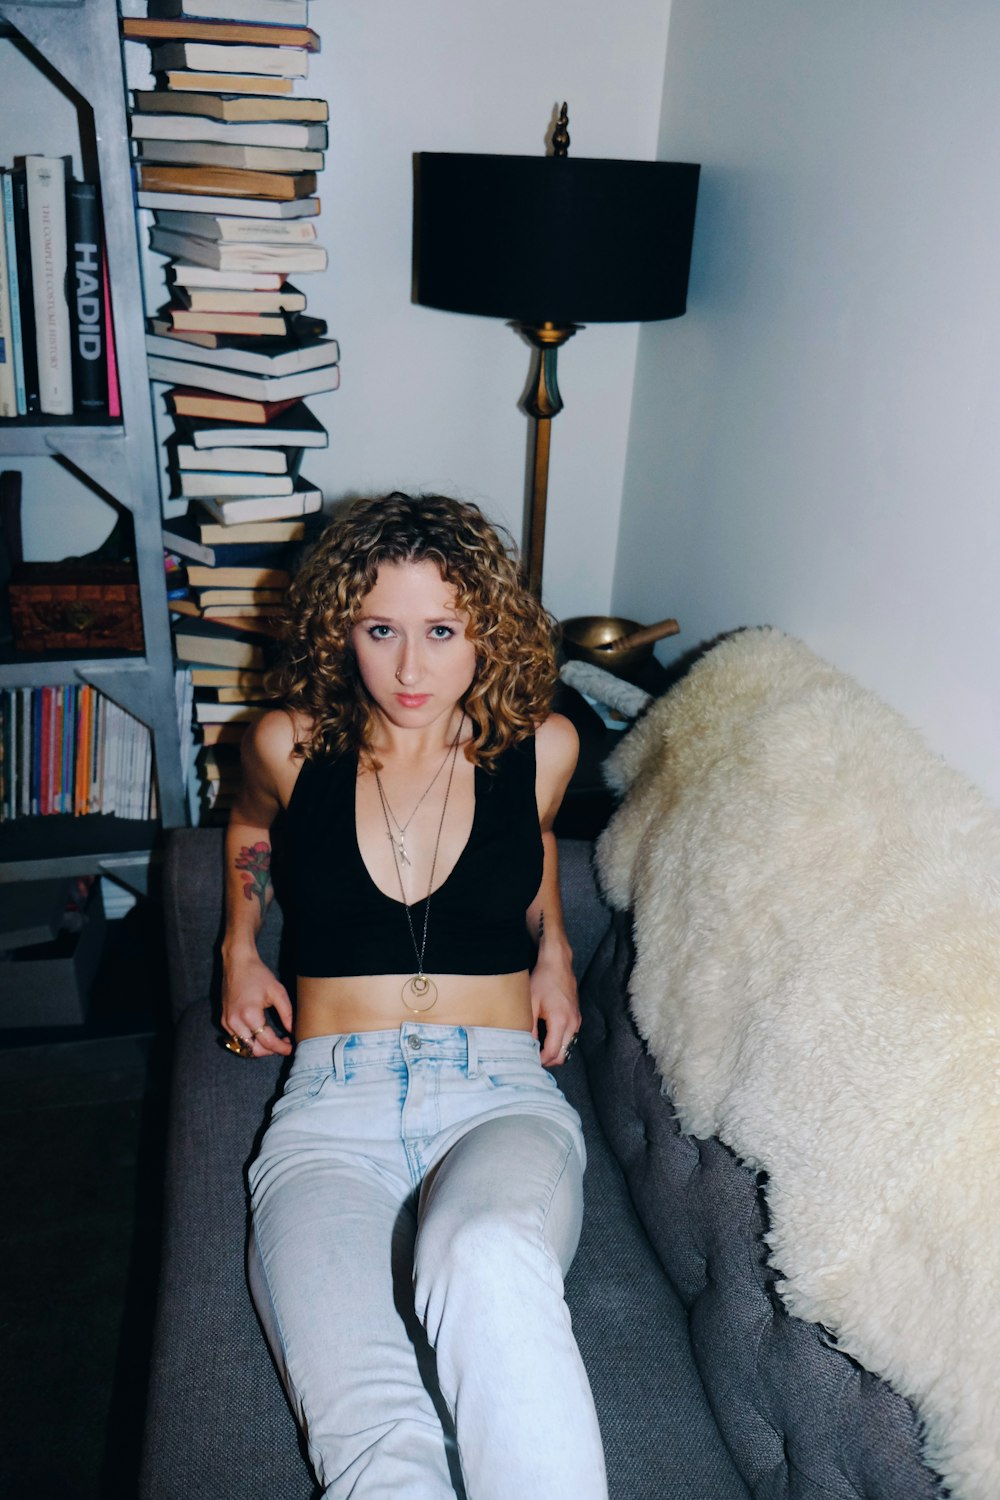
(816, 902)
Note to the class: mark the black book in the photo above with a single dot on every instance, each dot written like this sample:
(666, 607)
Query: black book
(301, 329)
(29, 347)
(84, 292)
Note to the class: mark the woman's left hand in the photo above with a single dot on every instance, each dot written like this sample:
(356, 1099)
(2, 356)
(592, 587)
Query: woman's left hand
(554, 1001)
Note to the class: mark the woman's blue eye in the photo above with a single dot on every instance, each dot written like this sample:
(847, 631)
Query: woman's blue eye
(442, 632)
(375, 631)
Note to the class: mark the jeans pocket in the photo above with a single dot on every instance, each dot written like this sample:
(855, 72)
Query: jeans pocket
(522, 1075)
(301, 1088)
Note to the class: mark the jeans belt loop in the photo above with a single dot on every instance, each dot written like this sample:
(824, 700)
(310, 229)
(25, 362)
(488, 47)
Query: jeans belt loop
(472, 1053)
(337, 1060)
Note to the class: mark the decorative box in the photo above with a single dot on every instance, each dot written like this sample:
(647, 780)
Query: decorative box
(75, 606)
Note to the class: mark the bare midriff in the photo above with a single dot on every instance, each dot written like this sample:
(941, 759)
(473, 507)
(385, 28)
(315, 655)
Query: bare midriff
(372, 1002)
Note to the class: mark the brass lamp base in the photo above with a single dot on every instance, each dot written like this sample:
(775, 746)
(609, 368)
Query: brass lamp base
(541, 401)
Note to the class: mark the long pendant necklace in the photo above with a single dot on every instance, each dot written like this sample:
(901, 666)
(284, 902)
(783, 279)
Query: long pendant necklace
(398, 839)
(419, 988)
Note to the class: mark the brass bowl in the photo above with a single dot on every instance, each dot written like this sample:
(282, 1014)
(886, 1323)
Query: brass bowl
(583, 634)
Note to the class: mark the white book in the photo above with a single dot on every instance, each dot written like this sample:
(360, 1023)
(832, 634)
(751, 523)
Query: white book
(232, 281)
(226, 713)
(244, 387)
(308, 355)
(263, 12)
(233, 231)
(207, 299)
(200, 326)
(233, 460)
(196, 485)
(226, 133)
(224, 57)
(222, 106)
(210, 203)
(239, 603)
(246, 158)
(223, 256)
(8, 384)
(304, 500)
(46, 179)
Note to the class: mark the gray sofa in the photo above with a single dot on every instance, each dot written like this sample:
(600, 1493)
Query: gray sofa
(706, 1389)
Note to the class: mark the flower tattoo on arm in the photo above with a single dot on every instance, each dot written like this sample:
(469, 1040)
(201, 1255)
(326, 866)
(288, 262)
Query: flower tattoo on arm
(255, 862)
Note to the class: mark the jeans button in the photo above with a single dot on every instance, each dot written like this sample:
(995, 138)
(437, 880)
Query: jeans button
(415, 1043)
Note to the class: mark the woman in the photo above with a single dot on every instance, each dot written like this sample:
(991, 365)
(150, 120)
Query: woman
(417, 1197)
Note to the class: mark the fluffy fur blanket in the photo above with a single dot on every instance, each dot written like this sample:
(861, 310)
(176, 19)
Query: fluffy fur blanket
(816, 901)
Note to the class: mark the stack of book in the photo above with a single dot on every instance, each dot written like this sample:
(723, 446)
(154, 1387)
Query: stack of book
(227, 157)
(56, 346)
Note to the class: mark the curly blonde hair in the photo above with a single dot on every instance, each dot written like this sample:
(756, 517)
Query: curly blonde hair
(512, 634)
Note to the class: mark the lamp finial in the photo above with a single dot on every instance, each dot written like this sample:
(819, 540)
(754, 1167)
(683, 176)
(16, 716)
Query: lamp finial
(560, 136)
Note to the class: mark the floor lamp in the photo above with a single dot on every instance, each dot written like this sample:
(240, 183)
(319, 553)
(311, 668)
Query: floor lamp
(551, 243)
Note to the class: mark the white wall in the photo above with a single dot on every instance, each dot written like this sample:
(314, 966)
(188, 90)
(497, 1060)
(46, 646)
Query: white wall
(429, 399)
(816, 445)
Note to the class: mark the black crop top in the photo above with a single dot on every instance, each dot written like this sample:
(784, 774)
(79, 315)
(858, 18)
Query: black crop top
(343, 925)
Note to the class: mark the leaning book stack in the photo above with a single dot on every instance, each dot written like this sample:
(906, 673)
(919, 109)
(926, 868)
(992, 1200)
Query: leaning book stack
(56, 342)
(227, 157)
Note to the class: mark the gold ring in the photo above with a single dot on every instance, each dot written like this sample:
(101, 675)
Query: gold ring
(255, 1034)
(241, 1046)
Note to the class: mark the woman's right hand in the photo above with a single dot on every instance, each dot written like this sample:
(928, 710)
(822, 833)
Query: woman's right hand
(249, 990)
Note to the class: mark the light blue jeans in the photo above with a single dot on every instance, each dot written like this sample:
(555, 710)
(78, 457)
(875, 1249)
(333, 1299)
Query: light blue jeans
(417, 1201)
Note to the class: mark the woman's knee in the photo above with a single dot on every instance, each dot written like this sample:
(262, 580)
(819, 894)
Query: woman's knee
(488, 1260)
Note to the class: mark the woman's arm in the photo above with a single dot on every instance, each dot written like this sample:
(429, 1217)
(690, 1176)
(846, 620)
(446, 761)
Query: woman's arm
(249, 988)
(553, 985)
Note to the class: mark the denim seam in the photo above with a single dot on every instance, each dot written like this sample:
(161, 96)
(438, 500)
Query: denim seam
(283, 1342)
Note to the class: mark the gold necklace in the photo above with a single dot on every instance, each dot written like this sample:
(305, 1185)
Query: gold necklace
(419, 986)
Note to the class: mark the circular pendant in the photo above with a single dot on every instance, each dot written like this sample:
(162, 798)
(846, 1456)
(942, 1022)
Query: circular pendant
(418, 988)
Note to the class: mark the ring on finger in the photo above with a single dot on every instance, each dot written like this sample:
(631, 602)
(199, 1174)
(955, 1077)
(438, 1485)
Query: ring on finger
(255, 1034)
(240, 1046)
(569, 1046)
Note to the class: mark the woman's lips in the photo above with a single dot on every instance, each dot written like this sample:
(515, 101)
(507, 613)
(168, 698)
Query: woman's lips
(412, 700)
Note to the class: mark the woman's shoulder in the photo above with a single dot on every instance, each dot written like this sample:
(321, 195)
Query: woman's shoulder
(557, 743)
(557, 746)
(275, 734)
(269, 748)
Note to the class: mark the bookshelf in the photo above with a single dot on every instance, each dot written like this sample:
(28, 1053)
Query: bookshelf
(79, 40)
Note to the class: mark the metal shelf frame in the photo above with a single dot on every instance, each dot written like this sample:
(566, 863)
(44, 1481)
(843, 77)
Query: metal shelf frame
(80, 40)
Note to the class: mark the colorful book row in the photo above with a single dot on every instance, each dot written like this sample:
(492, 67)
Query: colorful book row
(70, 751)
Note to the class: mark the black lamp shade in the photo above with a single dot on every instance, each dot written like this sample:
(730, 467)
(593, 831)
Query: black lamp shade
(553, 239)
